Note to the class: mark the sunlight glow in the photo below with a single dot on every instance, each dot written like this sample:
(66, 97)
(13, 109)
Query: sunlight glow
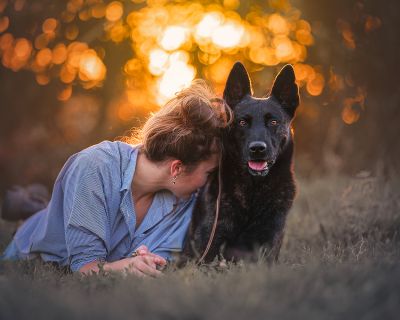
(169, 41)
(283, 48)
(178, 76)
(228, 35)
(173, 38)
(158, 61)
(91, 67)
(278, 25)
(208, 24)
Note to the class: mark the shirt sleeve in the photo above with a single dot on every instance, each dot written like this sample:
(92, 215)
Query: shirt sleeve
(175, 236)
(85, 213)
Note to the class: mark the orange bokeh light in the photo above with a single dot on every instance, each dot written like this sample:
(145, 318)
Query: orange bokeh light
(71, 32)
(350, 112)
(85, 15)
(67, 74)
(114, 11)
(4, 23)
(316, 84)
(98, 11)
(278, 25)
(23, 49)
(347, 33)
(372, 23)
(59, 54)
(168, 40)
(6, 41)
(41, 41)
(49, 25)
(283, 48)
(228, 36)
(65, 94)
(304, 37)
(118, 32)
(303, 71)
(44, 57)
(42, 79)
(91, 68)
(173, 37)
(349, 116)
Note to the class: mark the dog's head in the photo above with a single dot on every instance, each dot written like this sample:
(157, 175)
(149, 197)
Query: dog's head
(261, 127)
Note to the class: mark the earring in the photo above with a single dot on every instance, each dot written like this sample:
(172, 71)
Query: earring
(174, 179)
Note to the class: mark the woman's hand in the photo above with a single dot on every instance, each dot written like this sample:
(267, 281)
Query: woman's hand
(143, 265)
(144, 251)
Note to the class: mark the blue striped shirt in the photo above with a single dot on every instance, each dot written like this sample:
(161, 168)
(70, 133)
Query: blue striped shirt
(91, 214)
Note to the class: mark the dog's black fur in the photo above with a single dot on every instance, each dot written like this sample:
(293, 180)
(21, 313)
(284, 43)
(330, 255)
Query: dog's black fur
(258, 186)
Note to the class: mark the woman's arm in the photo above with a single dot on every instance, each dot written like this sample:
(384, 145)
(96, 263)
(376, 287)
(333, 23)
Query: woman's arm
(145, 264)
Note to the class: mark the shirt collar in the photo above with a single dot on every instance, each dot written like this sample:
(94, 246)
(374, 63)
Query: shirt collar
(127, 175)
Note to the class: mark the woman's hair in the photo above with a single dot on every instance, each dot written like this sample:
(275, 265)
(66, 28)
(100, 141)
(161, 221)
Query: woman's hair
(187, 128)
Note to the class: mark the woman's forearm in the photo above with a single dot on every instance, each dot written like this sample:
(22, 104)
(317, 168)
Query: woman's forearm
(119, 265)
(142, 265)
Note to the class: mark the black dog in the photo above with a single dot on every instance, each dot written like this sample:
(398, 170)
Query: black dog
(257, 174)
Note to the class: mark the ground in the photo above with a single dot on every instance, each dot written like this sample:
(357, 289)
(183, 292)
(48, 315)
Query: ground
(340, 260)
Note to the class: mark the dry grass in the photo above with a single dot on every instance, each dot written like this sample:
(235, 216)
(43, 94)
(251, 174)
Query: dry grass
(340, 260)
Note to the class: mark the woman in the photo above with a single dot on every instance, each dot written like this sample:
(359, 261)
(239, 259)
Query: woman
(121, 206)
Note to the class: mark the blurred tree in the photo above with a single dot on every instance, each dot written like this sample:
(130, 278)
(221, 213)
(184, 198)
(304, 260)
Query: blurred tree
(358, 45)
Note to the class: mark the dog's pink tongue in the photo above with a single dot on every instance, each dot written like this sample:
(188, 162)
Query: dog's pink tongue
(257, 165)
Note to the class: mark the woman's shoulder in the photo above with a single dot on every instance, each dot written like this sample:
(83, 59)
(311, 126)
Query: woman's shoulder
(102, 157)
(108, 152)
(109, 148)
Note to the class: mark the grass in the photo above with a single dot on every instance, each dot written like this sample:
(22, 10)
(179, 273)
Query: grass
(340, 260)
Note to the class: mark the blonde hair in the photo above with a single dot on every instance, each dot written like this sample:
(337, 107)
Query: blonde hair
(187, 128)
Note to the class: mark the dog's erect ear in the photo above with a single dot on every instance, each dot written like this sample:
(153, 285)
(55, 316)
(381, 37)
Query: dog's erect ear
(238, 85)
(285, 90)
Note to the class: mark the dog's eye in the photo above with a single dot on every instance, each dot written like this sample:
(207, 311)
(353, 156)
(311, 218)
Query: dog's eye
(242, 123)
(273, 122)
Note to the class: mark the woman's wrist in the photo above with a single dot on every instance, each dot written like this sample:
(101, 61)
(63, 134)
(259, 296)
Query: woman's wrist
(94, 266)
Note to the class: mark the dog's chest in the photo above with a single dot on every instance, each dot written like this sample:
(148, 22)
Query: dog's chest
(249, 200)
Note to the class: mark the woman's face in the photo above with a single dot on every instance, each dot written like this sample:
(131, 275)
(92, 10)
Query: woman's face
(189, 181)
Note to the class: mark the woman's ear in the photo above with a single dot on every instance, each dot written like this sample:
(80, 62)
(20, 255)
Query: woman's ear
(176, 168)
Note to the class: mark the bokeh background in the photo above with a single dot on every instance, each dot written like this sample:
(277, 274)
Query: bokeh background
(76, 72)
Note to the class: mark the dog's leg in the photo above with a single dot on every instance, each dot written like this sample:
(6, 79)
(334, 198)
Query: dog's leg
(273, 254)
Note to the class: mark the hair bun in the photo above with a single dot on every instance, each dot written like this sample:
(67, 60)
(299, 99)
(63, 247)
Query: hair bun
(187, 127)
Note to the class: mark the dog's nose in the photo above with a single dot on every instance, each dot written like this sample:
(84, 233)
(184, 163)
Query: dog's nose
(257, 147)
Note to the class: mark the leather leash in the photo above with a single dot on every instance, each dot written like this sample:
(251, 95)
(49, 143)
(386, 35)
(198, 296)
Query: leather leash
(216, 213)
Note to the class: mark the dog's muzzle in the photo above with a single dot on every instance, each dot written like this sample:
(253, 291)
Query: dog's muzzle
(258, 164)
